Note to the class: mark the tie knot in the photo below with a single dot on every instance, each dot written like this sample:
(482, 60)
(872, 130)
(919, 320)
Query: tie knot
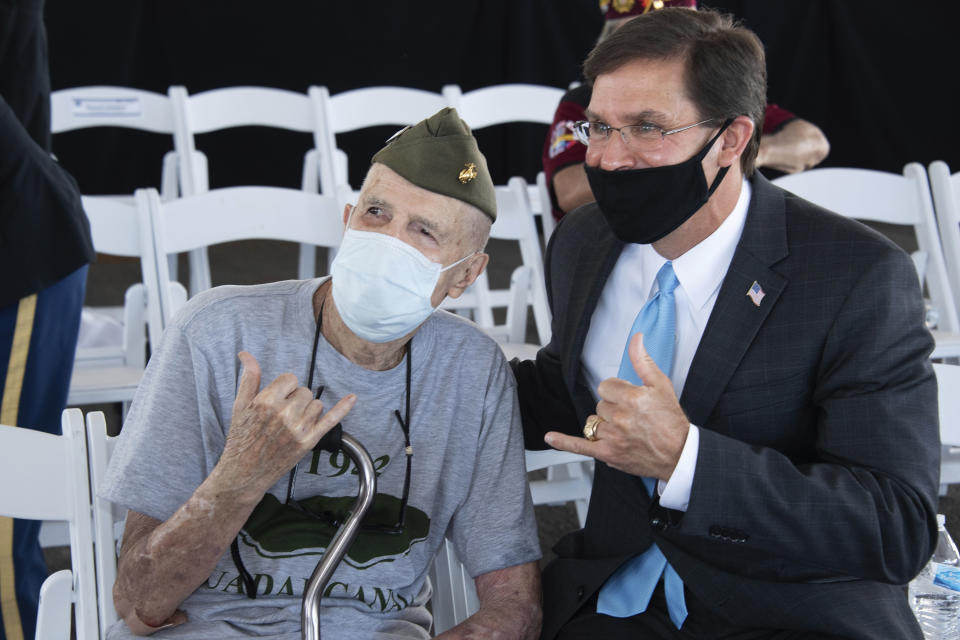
(667, 279)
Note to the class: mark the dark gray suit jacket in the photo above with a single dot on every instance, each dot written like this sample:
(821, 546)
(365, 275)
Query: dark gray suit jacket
(816, 480)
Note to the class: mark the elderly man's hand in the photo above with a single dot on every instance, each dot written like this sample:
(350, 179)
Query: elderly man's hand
(272, 429)
(643, 429)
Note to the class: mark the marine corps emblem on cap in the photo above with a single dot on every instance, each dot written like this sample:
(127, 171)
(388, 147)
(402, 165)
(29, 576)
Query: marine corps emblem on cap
(433, 152)
(468, 173)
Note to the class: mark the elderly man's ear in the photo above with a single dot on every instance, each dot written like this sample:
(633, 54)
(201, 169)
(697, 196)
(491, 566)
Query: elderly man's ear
(465, 274)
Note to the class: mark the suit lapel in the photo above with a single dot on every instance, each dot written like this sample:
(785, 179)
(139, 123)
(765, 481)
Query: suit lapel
(596, 259)
(736, 319)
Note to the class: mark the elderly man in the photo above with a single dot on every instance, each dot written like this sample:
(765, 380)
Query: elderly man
(749, 370)
(230, 502)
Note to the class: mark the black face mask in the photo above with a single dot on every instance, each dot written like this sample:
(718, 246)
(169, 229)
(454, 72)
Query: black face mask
(643, 205)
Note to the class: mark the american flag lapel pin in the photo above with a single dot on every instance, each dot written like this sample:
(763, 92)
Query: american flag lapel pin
(755, 293)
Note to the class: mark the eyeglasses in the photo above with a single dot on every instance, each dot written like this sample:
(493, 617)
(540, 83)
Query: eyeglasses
(639, 137)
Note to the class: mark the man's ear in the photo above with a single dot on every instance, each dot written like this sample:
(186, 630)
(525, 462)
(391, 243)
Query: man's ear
(734, 140)
(347, 208)
(467, 274)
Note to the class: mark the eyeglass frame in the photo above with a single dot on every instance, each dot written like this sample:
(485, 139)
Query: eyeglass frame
(584, 138)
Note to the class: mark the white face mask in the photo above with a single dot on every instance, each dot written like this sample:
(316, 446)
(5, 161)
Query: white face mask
(382, 286)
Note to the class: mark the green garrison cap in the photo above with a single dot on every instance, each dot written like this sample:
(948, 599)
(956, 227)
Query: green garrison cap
(440, 154)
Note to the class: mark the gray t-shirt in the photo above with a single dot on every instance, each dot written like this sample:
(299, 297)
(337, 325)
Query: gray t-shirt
(467, 479)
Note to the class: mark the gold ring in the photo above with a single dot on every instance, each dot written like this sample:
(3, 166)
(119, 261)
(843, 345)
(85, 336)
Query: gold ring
(591, 426)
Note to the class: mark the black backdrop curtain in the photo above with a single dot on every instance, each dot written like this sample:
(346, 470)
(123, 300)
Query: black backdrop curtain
(873, 75)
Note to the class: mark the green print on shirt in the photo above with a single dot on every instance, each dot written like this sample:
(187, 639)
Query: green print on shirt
(276, 530)
(375, 598)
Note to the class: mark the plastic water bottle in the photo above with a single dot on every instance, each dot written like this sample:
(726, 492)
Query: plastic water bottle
(935, 592)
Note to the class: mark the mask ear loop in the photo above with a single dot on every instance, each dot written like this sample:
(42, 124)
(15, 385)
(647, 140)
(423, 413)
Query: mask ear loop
(706, 149)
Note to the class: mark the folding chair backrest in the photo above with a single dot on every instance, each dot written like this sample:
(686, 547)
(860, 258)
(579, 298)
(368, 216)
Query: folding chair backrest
(45, 478)
(375, 106)
(238, 213)
(543, 207)
(107, 518)
(946, 200)
(880, 196)
(103, 106)
(121, 229)
(504, 103)
(233, 107)
(124, 107)
(363, 108)
(948, 397)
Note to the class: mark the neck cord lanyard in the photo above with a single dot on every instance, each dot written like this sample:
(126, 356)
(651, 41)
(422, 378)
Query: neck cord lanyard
(250, 585)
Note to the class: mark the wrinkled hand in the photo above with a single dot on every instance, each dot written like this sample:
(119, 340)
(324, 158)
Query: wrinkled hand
(644, 428)
(272, 429)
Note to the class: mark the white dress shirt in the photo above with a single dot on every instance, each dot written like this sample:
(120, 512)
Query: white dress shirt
(700, 271)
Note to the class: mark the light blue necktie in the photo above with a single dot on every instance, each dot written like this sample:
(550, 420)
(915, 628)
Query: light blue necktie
(629, 589)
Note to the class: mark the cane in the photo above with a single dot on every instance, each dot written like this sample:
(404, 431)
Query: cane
(310, 613)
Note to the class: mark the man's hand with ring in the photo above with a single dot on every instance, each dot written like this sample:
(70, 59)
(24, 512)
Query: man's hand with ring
(643, 427)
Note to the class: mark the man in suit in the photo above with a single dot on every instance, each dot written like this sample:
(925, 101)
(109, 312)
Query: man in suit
(749, 371)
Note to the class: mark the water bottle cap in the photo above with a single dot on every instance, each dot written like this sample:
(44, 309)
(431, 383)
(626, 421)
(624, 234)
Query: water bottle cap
(941, 520)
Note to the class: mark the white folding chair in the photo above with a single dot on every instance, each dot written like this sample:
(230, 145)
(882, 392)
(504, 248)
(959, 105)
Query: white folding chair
(45, 478)
(503, 103)
(543, 202)
(111, 374)
(946, 200)
(119, 107)
(105, 106)
(879, 196)
(506, 103)
(107, 518)
(454, 591)
(53, 610)
(363, 108)
(233, 107)
(238, 213)
(948, 396)
(571, 482)
(514, 223)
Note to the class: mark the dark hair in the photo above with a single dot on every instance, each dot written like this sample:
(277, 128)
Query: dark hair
(725, 67)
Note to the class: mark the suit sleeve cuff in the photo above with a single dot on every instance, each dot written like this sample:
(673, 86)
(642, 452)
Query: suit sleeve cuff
(675, 492)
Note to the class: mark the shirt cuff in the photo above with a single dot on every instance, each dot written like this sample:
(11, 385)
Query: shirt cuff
(675, 492)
